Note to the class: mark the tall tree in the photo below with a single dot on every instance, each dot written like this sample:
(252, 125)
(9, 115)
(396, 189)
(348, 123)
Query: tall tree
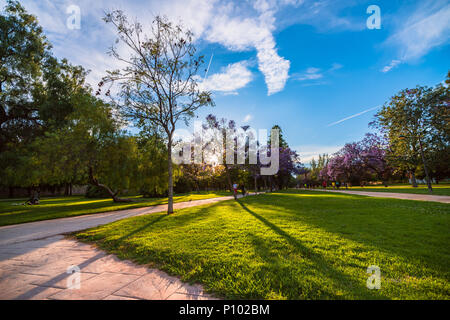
(158, 85)
(410, 123)
(23, 51)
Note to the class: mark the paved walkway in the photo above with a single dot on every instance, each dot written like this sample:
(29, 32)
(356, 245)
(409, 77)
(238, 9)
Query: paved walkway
(38, 269)
(405, 196)
(35, 257)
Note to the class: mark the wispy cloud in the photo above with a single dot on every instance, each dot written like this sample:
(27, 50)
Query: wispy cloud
(239, 26)
(231, 78)
(335, 66)
(390, 66)
(313, 74)
(352, 116)
(427, 27)
(310, 74)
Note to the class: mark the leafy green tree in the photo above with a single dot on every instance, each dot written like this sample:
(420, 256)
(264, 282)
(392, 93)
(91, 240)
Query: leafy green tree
(37, 94)
(153, 171)
(282, 142)
(23, 51)
(317, 166)
(407, 121)
(439, 155)
(90, 148)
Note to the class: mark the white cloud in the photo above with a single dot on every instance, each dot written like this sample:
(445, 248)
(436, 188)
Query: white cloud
(274, 67)
(248, 117)
(242, 33)
(390, 66)
(310, 74)
(230, 79)
(426, 28)
(239, 26)
(336, 66)
(313, 73)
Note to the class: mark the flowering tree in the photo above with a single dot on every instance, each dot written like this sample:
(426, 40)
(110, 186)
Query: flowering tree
(374, 156)
(289, 165)
(358, 161)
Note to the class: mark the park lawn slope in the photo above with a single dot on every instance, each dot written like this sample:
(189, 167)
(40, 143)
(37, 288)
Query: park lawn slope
(438, 189)
(13, 212)
(294, 245)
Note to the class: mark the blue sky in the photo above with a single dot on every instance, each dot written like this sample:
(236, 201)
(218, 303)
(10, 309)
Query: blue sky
(308, 66)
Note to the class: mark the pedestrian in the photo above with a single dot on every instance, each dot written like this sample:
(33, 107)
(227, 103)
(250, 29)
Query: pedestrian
(324, 184)
(235, 186)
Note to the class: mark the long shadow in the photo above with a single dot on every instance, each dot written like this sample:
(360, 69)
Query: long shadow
(322, 264)
(50, 283)
(373, 226)
(274, 272)
(16, 249)
(145, 226)
(184, 219)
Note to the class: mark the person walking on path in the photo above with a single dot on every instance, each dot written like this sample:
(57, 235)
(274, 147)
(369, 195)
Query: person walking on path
(324, 184)
(235, 186)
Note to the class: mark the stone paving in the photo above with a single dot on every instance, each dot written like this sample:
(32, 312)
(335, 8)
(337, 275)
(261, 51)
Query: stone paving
(404, 196)
(38, 269)
(35, 257)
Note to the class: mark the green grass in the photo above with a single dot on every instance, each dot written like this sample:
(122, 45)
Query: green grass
(438, 189)
(294, 245)
(13, 212)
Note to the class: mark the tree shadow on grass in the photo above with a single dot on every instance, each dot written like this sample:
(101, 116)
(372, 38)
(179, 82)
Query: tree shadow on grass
(142, 228)
(196, 214)
(373, 223)
(338, 278)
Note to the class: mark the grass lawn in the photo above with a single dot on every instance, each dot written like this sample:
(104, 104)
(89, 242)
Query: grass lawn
(438, 189)
(294, 245)
(12, 212)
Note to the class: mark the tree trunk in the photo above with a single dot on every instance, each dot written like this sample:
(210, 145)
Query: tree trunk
(413, 179)
(113, 195)
(170, 171)
(227, 173)
(256, 184)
